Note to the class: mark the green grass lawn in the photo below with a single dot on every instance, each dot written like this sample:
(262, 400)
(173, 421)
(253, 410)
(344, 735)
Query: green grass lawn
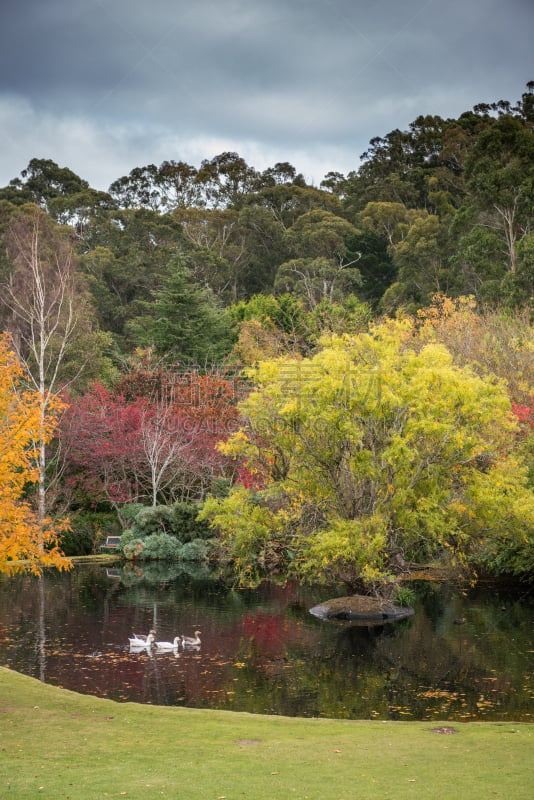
(59, 744)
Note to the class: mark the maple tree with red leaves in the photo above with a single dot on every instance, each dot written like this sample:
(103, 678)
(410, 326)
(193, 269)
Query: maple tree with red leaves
(99, 438)
(209, 398)
(160, 446)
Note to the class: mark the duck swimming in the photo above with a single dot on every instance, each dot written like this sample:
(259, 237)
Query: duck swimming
(169, 645)
(143, 641)
(190, 641)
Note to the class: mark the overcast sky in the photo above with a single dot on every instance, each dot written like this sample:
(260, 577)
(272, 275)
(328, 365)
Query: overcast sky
(103, 86)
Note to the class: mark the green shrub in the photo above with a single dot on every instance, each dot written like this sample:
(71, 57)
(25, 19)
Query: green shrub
(157, 546)
(87, 531)
(164, 533)
(187, 526)
(220, 487)
(161, 546)
(196, 550)
(178, 520)
(127, 536)
(153, 520)
(130, 511)
(132, 548)
(405, 596)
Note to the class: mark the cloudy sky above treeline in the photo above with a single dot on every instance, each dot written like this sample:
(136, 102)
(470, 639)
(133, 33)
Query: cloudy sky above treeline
(103, 86)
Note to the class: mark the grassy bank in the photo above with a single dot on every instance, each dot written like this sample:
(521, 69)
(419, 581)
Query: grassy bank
(58, 744)
(96, 558)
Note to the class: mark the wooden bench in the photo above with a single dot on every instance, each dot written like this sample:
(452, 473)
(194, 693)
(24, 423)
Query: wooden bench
(111, 543)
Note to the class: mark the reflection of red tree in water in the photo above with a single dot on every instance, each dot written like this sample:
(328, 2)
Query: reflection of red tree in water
(267, 631)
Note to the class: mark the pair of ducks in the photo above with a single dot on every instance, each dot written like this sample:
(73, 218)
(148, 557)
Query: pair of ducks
(150, 641)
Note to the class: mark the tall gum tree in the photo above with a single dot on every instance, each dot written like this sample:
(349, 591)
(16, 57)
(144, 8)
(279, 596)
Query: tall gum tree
(500, 176)
(319, 269)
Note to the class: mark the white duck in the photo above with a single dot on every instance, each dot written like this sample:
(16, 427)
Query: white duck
(168, 645)
(143, 641)
(190, 641)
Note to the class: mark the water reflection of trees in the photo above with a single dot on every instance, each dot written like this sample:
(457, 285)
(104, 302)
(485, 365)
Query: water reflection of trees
(157, 572)
(400, 671)
(266, 654)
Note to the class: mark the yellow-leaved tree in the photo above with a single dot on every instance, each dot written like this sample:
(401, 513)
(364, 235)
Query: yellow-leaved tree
(25, 543)
(375, 454)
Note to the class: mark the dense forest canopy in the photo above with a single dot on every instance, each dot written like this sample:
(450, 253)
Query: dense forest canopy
(140, 306)
(444, 206)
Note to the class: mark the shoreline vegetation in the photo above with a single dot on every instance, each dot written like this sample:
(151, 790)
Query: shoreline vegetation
(98, 748)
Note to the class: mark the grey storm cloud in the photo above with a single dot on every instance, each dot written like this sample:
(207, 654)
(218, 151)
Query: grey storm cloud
(113, 84)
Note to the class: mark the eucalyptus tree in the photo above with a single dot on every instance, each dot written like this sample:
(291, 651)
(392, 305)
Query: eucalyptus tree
(287, 202)
(226, 179)
(500, 177)
(319, 269)
(41, 182)
(172, 185)
(282, 173)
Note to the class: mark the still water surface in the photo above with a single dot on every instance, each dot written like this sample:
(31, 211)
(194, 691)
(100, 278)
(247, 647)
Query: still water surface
(460, 657)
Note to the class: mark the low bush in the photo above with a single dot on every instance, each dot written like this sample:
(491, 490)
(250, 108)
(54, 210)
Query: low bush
(178, 520)
(87, 531)
(196, 550)
(165, 533)
(161, 546)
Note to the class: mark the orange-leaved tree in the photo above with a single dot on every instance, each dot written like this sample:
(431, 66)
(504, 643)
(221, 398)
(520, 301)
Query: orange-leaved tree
(25, 543)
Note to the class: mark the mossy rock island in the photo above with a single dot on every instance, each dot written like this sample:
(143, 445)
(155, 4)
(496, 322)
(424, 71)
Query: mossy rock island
(361, 609)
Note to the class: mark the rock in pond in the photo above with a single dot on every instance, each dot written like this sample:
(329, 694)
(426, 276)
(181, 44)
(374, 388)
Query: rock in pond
(361, 609)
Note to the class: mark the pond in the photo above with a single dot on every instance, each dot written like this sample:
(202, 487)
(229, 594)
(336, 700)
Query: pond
(462, 656)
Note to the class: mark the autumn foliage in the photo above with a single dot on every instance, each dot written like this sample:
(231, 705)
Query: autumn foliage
(379, 453)
(151, 439)
(488, 340)
(525, 415)
(21, 536)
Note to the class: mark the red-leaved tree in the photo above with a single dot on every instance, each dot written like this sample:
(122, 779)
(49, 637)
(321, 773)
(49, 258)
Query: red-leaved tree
(158, 448)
